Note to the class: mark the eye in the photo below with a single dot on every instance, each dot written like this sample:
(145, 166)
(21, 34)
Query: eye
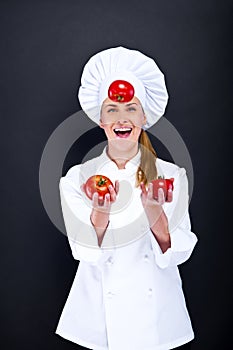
(112, 110)
(131, 109)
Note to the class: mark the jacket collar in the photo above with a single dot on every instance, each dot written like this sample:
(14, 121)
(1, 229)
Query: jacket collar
(131, 165)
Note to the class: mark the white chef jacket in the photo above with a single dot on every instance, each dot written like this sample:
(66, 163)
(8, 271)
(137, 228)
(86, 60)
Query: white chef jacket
(127, 294)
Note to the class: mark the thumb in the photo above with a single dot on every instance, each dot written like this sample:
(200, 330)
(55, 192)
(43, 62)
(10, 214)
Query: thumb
(143, 188)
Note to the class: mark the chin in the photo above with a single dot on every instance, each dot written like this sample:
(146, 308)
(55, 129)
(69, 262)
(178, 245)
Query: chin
(123, 144)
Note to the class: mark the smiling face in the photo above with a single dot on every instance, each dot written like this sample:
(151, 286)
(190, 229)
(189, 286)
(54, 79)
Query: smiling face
(122, 121)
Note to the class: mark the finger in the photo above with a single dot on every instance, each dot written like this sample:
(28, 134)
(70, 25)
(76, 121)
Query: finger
(82, 187)
(100, 200)
(169, 195)
(112, 193)
(150, 191)
(107, 201)
(143, 188)
(117, 186)
(95, 200)
(161, 198)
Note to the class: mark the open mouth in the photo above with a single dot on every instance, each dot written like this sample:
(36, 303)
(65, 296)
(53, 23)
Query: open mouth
(123, 132)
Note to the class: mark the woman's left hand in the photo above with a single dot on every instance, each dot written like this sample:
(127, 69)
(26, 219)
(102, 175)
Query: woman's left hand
(147, 195)
(153, 208)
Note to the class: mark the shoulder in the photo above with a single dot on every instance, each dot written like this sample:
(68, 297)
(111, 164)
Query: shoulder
(169, 169)
(166, 167)
(74, 172)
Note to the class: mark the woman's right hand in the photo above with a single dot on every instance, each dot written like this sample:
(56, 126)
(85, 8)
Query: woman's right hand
(101, 209)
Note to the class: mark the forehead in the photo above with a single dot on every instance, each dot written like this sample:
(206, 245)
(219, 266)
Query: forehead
(108, 102)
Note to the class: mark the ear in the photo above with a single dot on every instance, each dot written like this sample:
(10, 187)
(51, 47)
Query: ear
(101, 125)
(144, 120)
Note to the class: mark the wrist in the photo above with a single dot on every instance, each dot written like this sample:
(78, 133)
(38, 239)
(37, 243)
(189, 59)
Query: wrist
(156, 217)
(100, 227)
(159, 226)
(161, 235)
(99, 220)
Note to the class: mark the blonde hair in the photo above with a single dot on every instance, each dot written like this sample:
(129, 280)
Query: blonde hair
(147, 169)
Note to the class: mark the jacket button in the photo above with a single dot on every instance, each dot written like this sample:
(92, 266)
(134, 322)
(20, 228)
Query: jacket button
(146, 258)
(109, 262)
(109, 295)
(150, 291)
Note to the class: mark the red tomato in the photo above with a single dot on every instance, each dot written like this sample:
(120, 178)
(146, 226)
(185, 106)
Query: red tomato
(121, 91)
(164, 184)
(97, 183)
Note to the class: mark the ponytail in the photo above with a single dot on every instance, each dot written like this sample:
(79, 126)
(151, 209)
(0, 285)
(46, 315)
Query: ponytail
(147, 170)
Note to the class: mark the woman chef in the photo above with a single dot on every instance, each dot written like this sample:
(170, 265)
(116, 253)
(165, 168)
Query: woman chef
(127, 292)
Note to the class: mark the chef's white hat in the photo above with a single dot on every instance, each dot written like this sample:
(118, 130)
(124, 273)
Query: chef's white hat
(120, 63)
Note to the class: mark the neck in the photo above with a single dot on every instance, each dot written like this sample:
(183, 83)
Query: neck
(121, 157)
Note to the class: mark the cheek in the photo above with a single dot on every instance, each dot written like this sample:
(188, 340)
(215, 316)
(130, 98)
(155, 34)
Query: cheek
(108, 131)
(138, 124)
(107, 122)
(138, 131)
(139, 120)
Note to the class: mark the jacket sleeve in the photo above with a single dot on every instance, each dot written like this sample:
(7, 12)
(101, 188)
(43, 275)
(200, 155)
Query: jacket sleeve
(183, 240)
(76, 214)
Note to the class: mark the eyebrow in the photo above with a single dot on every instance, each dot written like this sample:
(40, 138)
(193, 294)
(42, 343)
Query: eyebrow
(114, 105)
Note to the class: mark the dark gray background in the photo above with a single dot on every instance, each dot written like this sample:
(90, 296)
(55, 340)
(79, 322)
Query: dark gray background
(44, 46)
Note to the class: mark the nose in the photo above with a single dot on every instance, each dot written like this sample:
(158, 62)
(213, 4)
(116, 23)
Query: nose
(122, 118)
(122, 121)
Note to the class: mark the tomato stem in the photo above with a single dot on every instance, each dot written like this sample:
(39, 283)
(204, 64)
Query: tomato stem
(101, 182)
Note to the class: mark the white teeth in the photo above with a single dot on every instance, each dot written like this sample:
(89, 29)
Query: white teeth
(122, 129)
